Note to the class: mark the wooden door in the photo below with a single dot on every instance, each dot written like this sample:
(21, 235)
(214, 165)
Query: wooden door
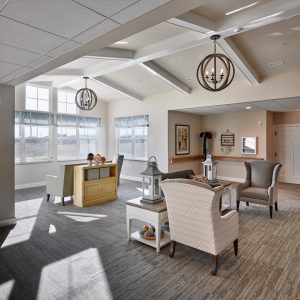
(287, 152)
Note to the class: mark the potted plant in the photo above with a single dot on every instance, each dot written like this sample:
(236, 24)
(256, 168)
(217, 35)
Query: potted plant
(90, 158)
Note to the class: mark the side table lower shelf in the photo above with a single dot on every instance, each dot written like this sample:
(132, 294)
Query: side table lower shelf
(163, 240)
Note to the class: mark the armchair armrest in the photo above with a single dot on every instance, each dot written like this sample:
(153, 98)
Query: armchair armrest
(229, 215)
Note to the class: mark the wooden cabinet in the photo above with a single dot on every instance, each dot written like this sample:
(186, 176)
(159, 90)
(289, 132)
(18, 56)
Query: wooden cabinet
(95, 184)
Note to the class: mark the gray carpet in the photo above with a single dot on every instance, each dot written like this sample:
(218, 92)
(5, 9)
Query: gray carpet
(58, 252)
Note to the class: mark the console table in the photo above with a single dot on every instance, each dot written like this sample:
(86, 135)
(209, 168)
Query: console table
(155, 214)
(95, 184)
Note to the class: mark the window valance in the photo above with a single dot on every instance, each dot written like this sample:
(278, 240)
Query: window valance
(33, 118)
(67, 120)
(132, 121)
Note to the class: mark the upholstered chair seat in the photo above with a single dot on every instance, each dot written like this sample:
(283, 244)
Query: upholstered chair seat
(260, 185)
(195, 219)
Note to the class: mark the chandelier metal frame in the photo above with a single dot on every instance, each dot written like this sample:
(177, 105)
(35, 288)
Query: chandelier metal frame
(85, 99)
(211, 83)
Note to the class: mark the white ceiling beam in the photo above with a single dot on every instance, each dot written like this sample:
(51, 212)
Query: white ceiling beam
(113, 53)
(66, 72)
(194, 22)
(166, 77)
(239, 60)
(117, 88)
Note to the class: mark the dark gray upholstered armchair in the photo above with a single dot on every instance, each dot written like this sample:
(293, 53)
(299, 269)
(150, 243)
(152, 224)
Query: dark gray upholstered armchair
(260, 185)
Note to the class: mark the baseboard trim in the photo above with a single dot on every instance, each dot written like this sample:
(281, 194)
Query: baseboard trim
(29, 185)
(231, 178)
(8, 222)
(131, 178)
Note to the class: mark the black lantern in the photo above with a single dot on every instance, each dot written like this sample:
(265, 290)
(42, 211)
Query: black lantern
(151, 182)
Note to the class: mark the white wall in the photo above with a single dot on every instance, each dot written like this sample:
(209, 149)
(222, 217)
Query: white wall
(157, 106)
(30, 175)
(7, 119)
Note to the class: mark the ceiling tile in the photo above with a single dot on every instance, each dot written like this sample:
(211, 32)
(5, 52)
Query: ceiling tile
(15, 74)
(106, 8)
(96, 31)
(62, 49)
(64, 18)
(16, 56)
(136, 10)
(270, 105)
(21, 36)
(6, 68)
(39, 61)
(290, 103)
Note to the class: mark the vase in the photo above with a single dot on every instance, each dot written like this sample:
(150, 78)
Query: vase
(90, 163)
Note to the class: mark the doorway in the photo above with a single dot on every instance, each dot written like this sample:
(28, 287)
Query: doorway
(287, 152)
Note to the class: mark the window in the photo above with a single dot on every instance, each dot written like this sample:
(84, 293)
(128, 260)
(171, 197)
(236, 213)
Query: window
(32, 137)
(132, 136)
(66, 102)
(37, 98)
(76, 136)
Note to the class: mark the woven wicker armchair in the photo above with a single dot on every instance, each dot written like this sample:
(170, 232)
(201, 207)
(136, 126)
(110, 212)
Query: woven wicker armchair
(195, 220)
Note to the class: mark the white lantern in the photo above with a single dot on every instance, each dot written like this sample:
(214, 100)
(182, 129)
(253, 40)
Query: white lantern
(210, 169)
(151, 182)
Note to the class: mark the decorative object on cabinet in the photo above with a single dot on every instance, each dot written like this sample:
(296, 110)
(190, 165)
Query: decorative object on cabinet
(249, 145)
(213, 61)
(151, 182)
(182, 139)
(90, 158)
(206, 136)
(210, 169)
(227, 141)
(95, 184)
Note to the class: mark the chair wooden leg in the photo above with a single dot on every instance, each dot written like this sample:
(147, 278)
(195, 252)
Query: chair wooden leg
(276, 206)
(247, 203)
(172, 249)
(48, 197)
(236, 246)
(63, 201)
(237, 205)
(271, 211)
(216, 261)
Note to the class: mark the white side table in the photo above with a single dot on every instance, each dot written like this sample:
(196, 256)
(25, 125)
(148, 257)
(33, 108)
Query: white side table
(156, 214)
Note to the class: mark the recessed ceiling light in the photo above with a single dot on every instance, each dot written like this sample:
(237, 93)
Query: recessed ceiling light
(267, 17)
(241, 8)
(121, 43)
(248, 107)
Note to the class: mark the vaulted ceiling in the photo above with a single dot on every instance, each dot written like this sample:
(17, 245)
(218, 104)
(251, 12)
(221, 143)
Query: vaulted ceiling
(133, 49)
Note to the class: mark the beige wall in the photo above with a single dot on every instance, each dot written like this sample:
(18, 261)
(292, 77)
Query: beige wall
(241, 124)
(292, 117)
(195, 123)
(157, 106)
(7, 120)
(270, 135)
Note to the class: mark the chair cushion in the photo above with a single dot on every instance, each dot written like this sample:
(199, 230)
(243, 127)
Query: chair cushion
(253, 192)
(261, 173)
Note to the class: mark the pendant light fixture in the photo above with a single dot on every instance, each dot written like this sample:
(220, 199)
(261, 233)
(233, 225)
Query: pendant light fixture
(221, 71)
(86, 99)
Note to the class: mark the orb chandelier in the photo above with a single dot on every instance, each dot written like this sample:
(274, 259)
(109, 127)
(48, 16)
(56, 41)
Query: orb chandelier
(222, 70)
(86, 99)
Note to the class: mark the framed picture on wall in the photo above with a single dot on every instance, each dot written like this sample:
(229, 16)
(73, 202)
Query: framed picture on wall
(182, 139)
